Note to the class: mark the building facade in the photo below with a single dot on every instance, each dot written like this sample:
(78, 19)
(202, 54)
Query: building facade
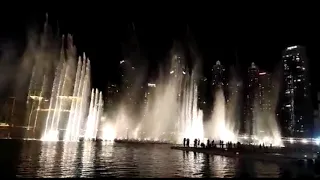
(296, 105)
(251, 97)
(218, 76)
(265, 87)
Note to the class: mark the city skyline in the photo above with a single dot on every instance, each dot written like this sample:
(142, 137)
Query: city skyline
(156, 40)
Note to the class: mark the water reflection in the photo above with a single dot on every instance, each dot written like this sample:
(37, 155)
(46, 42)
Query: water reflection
(29, 162)
(58, 156)
(87, 159)
(223, 166)
(103, 159)
(69, 160)
(192, 164)
(266, 169)
(91, 159)
(206, 170)
(47, 159)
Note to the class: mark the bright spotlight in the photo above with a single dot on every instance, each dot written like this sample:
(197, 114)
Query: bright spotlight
(305, 141)
(291, 140)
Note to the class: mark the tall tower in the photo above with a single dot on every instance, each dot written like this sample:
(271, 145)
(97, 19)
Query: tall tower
(251, 97)
(265, 87)
(218, 76)
(297, 106)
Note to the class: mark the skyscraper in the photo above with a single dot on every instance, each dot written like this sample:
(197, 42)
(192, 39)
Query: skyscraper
(218, 81)
(128, 70)
(218, 76)
(252, 96)
(202, 99)
(265, 87)
(111, 95)
(297, 106)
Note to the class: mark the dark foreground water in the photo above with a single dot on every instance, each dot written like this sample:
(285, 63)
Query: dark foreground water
(99, 159)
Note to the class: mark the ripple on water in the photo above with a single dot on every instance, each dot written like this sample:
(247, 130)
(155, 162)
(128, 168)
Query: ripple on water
(120, 160)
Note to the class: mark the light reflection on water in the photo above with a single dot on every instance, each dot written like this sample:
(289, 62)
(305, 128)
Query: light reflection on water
(91, 159)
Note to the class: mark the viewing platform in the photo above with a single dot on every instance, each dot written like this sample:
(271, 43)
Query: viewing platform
(141, 141)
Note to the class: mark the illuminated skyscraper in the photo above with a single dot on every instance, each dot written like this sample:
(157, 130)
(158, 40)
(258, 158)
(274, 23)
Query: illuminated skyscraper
(252, 95)
(297, 106)
(130, 68)
(316, 117)
(218, 76)
(265, 87)
(111, 95)
(178, 68)
(202, 99)
(178, 61)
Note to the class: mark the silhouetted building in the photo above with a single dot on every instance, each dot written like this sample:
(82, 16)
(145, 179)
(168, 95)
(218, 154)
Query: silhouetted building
(317, 117)
(131, 67)
(218, 76)
(111, 96)
(178, 71)
(252, 97)
(202, 98)
(149, 95)
(178, 67)
(265, 87)
(218, 81)
(297, 106)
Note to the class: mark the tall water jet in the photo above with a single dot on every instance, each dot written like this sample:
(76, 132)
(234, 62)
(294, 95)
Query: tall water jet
(223, 122)
(219, 127)
(94, 117)
(68, 101)
(79, 107)
(191, 117)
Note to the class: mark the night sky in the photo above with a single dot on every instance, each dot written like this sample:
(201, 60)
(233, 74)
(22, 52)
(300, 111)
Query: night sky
(254, 38)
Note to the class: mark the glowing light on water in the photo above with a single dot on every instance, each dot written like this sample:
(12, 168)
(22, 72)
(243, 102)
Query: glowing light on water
(305, 141)
(51, 136)
(109, 133)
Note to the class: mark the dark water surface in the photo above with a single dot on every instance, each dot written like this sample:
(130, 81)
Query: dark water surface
(99, 159)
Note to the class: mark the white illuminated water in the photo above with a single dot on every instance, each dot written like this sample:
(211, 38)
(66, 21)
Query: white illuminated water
(170, 113)
(70, 107)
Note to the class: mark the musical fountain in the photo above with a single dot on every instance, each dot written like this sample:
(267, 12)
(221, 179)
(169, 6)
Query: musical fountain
(68, 106)
(171, 112)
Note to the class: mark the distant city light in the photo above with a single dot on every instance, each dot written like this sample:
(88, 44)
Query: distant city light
(151, 85)
(291, 140)
(305, 141)
(291, 47)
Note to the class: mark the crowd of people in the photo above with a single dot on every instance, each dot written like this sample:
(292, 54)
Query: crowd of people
(221, 144)
(210, 144)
